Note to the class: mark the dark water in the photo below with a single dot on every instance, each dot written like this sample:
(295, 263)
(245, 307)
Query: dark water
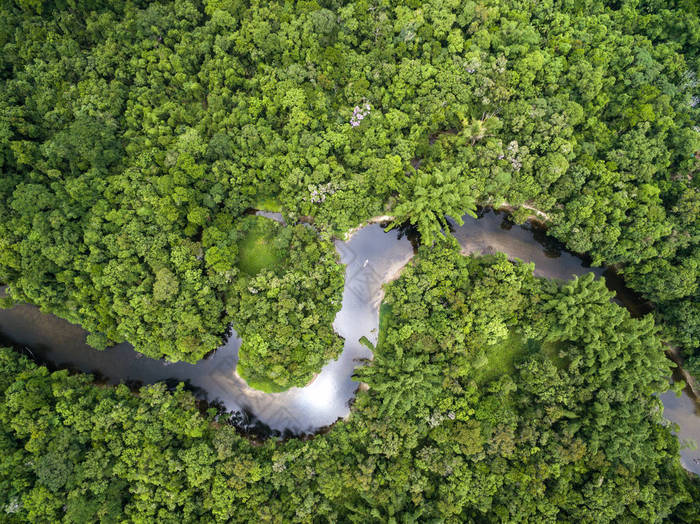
(684, 410)
(372, 258)
(369, 256)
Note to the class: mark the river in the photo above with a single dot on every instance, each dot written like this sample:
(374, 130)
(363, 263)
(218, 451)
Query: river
(372, 258)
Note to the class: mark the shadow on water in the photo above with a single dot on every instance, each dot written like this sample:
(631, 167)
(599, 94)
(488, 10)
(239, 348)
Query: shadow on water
(683, 411)
(407, 231)
(371, 258)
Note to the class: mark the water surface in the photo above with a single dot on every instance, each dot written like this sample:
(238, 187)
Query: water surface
(372, 258)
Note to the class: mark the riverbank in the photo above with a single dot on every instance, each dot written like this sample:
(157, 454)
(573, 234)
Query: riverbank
(372, 257)
(379, 219)
(540, 216)
(674, 353)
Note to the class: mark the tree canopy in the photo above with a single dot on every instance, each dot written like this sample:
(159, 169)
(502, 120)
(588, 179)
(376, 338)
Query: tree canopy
(493, 396)
(136, 136)
(130, 129)
(284, 304)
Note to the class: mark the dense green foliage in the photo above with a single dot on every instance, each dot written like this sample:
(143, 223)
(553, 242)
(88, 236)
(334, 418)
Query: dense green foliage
(128, 129)
(570, 434)
(285, 303)
(134, 136)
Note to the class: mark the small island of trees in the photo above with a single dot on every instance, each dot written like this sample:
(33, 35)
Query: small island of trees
(136, 137)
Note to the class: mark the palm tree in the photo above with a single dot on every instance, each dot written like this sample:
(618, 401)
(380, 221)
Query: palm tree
(476, 129)
(429, 197)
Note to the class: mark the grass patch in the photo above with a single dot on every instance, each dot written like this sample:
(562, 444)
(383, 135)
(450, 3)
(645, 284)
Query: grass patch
(268, 204)
(552, 349)
(264, 385)
(257, 249)
(502, 358)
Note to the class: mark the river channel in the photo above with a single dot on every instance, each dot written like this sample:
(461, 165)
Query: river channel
(372, 257)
